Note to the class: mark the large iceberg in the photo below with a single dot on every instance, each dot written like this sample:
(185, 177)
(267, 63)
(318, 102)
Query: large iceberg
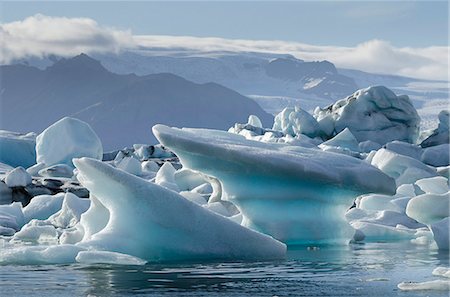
(375, 114)
(298, 195)
(66, 139)
(156, 224)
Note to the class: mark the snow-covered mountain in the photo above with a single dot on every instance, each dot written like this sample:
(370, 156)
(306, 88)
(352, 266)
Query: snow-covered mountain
(120, 108)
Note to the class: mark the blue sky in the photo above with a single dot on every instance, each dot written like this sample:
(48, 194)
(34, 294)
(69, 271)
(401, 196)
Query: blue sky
(402, 23)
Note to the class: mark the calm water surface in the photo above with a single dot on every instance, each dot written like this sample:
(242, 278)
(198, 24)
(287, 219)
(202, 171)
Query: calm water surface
(355, 270)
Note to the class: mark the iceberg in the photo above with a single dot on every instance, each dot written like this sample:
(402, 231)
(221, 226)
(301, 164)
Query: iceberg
(17, 149)
(297, 195)
(375, 114)
(153, 223)
(66, 139)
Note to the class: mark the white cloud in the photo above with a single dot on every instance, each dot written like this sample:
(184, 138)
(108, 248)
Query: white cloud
(375, 56)
(41, 35)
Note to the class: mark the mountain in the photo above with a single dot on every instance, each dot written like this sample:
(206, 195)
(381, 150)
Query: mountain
(248, 73)
(121, 108)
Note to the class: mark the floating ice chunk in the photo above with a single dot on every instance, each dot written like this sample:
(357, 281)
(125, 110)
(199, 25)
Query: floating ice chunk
(105, 257)
(429, 208)
(58, 170)
(149, 166)
(29, 255)
(66, 139)
(441, 271)
(368, 146)
(344, 139)
(205, 188)
(437, 155)
(441, 233)
(404, 169)
(404, 148)
(254, 121)
(130, 165)
(34, 170)
(166, 177)
(71, 210)
(296, 194)
(443, 171)
(18, 177)
(296, 121)
(155, 224)
(37, 232)
(407, 190)
(378, 232)
(43, 206)
(433, 185)
(187, 179)
(439, 285)
(11, 216)
(17, 149)
(375, 113)
(441, 134)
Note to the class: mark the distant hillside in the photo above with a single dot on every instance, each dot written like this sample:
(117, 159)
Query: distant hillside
(120, 108)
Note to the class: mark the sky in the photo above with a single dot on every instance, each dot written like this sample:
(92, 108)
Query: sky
(344, 23)
(402, 37)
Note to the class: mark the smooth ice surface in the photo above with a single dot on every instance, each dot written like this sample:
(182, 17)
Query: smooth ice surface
(18, 177)
(433, 185)
(404, 169)
(17, 149)
(375, 113)
(404, 148)
(296, 194)
(66, 139)
(429, 208)
(437, 155)
(156, 224)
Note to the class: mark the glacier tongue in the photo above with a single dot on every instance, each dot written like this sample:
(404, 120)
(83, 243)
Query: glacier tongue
(157, 224)
(298, 195)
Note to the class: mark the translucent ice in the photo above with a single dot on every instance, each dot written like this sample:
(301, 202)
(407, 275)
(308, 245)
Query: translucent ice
(156, 224)
(296, 194)
(66, 139)
(17, 149)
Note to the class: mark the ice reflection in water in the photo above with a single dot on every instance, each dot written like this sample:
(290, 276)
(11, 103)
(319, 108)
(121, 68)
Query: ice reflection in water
(355, 270)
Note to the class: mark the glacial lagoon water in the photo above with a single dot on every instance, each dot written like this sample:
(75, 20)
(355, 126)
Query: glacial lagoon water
(371, 269)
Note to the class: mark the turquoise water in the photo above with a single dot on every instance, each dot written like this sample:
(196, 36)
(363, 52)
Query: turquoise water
(356, 270)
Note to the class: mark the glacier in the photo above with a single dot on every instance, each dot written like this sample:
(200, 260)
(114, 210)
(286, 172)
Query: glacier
(296, 194)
